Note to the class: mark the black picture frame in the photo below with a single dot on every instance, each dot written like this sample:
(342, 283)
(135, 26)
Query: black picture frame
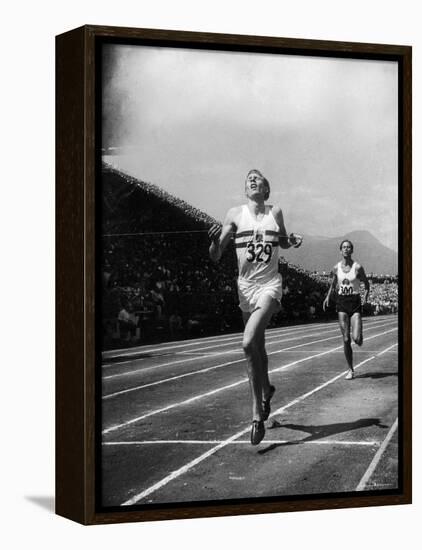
(78, 125)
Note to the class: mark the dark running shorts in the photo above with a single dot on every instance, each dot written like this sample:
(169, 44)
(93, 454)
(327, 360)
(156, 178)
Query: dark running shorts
(349, 304)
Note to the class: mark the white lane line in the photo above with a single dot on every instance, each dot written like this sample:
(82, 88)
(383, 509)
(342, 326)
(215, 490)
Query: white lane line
(180, 343)
(201, 354)
(223, 388)
(363, 482)
(202, 371)
(305, 395)
(241, 442)
(218, 344)
(183, 361)
(192, 399)
(128, 352)
(290, 328)
(390, 349)
(225, 339)
(177, 473)
(355, 350)
(170, 363)
(143, 370)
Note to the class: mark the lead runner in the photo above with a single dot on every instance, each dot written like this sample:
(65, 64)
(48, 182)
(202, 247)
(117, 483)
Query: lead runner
(259, 232)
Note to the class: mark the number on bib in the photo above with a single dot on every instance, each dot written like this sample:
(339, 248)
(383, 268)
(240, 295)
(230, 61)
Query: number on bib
(346, 290)
(259, 252)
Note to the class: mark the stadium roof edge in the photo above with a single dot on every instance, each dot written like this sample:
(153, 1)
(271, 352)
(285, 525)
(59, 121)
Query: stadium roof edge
(161, 194)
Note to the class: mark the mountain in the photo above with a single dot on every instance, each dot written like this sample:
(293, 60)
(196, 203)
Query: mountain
(321, 253)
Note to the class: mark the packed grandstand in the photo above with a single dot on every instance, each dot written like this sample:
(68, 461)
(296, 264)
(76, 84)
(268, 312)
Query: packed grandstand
(159, 284)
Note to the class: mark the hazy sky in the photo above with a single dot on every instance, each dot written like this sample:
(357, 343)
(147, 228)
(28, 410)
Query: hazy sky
(322, 130)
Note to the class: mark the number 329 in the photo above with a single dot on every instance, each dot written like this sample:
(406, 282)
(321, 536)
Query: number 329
(259, 252)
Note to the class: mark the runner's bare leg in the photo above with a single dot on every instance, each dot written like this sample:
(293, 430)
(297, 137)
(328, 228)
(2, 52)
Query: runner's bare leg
(256, 356)
(344, 323)
(356, 324)
(264, 363)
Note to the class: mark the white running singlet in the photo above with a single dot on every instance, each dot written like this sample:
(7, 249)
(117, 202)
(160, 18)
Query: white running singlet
(257, 246)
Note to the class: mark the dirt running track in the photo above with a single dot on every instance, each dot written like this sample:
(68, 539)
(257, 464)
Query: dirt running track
(176, 418)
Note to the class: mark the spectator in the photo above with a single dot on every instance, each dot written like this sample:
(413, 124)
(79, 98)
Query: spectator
(175, 325)
(127, 323)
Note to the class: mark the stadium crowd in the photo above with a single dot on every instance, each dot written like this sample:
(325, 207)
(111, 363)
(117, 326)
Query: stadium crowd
(384, 297)
(172, 289)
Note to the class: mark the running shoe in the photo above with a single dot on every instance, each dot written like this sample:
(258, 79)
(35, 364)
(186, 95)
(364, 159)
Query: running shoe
(257, 432)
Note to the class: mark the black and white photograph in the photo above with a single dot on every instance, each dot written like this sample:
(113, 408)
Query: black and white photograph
(209, 236)
(249, 251)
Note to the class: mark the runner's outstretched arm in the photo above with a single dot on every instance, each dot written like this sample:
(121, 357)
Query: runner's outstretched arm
(285, 240)
(333, 285)
(220, 235)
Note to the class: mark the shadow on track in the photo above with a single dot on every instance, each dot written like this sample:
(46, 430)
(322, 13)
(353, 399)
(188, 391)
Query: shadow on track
(375, 375)
(320, 432)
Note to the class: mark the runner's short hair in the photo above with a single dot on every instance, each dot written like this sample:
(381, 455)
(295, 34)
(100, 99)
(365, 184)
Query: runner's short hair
(266, 182)
(346, 241)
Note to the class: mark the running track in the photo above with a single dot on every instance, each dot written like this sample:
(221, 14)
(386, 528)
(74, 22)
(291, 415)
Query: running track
(176, 418)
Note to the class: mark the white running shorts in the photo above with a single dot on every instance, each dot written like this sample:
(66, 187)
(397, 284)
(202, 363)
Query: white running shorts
(250, 292)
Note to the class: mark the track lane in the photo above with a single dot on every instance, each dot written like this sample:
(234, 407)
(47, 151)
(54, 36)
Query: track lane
(185, 366)
(134, 406)
(143, 354)
(218, 417)
(309, 367)
(331, 408)
(150, 348)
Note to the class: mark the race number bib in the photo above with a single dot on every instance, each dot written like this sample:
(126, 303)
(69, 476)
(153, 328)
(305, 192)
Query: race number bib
(259, 253)
(346, 289)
